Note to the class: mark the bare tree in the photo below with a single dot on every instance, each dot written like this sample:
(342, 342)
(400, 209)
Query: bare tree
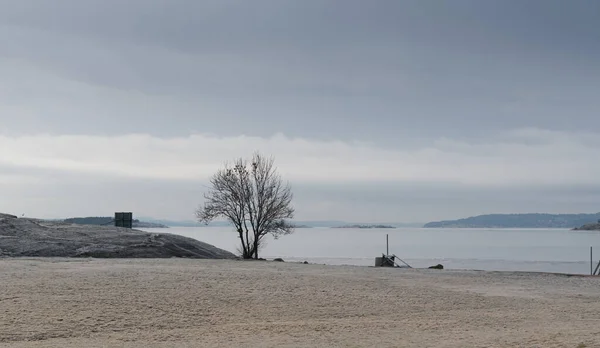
(254, 198)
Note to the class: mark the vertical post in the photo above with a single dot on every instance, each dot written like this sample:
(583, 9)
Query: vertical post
(591, 262)
(387, 244)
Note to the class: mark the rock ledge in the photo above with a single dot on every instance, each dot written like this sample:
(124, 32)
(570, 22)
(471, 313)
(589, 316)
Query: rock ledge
(37, 238)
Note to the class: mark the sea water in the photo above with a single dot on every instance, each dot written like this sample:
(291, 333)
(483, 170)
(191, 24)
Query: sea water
(537, 250)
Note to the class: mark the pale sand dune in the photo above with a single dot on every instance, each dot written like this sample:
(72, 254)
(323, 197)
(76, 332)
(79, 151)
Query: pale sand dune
(216, 303)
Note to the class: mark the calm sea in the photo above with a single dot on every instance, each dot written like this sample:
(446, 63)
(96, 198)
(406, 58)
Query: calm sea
(545, 250)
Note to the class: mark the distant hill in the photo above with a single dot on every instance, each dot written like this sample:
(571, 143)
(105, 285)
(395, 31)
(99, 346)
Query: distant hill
(109, 221)
(519, 221)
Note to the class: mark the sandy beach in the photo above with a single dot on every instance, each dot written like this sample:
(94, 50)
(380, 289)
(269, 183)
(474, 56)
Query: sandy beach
(216, 303)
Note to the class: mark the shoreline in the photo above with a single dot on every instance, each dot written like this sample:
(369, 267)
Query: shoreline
(270, 260)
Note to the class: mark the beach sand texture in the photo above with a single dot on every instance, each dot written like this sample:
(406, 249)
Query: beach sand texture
(217, 303)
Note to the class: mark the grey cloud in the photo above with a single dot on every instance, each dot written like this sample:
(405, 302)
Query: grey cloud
(63, 193)
(403, 75)
(430, 201)
(363, 202)
(353, 70)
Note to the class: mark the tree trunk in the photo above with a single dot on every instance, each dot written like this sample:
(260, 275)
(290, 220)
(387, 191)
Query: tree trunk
(245, 248)
(249, 255)
(256, 242)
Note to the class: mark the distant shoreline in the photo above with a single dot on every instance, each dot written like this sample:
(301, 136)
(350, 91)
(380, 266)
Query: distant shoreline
(533, 220)
(364, 226)
(589, 227)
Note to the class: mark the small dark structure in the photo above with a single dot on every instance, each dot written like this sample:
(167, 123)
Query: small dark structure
(124, 219)
(387, 260)
(438, 266)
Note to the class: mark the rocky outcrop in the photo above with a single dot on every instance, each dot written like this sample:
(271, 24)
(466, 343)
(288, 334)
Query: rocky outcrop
(589, 227)
(37, 238)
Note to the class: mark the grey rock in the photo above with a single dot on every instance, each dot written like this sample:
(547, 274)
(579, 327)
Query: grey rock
(38, 238)
(589, 227)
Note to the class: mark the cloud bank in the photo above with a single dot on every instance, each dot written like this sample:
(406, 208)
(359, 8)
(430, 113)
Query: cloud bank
(509, 171)
(516, 158)
(387, 110)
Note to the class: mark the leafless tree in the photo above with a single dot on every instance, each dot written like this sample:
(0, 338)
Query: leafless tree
(254, 198)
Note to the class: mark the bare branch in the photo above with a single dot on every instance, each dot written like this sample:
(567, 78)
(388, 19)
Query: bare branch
(253, 197)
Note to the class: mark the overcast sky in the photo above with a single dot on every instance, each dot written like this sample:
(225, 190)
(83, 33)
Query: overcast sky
(380, 110)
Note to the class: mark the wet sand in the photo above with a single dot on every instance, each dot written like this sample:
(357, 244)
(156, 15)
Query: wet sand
(216, 303)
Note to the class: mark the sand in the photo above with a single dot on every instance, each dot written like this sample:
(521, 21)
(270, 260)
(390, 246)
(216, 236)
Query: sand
(219, 303)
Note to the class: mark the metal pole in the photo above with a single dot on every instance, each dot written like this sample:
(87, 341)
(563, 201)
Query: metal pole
(591, 262)
(387, 244)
